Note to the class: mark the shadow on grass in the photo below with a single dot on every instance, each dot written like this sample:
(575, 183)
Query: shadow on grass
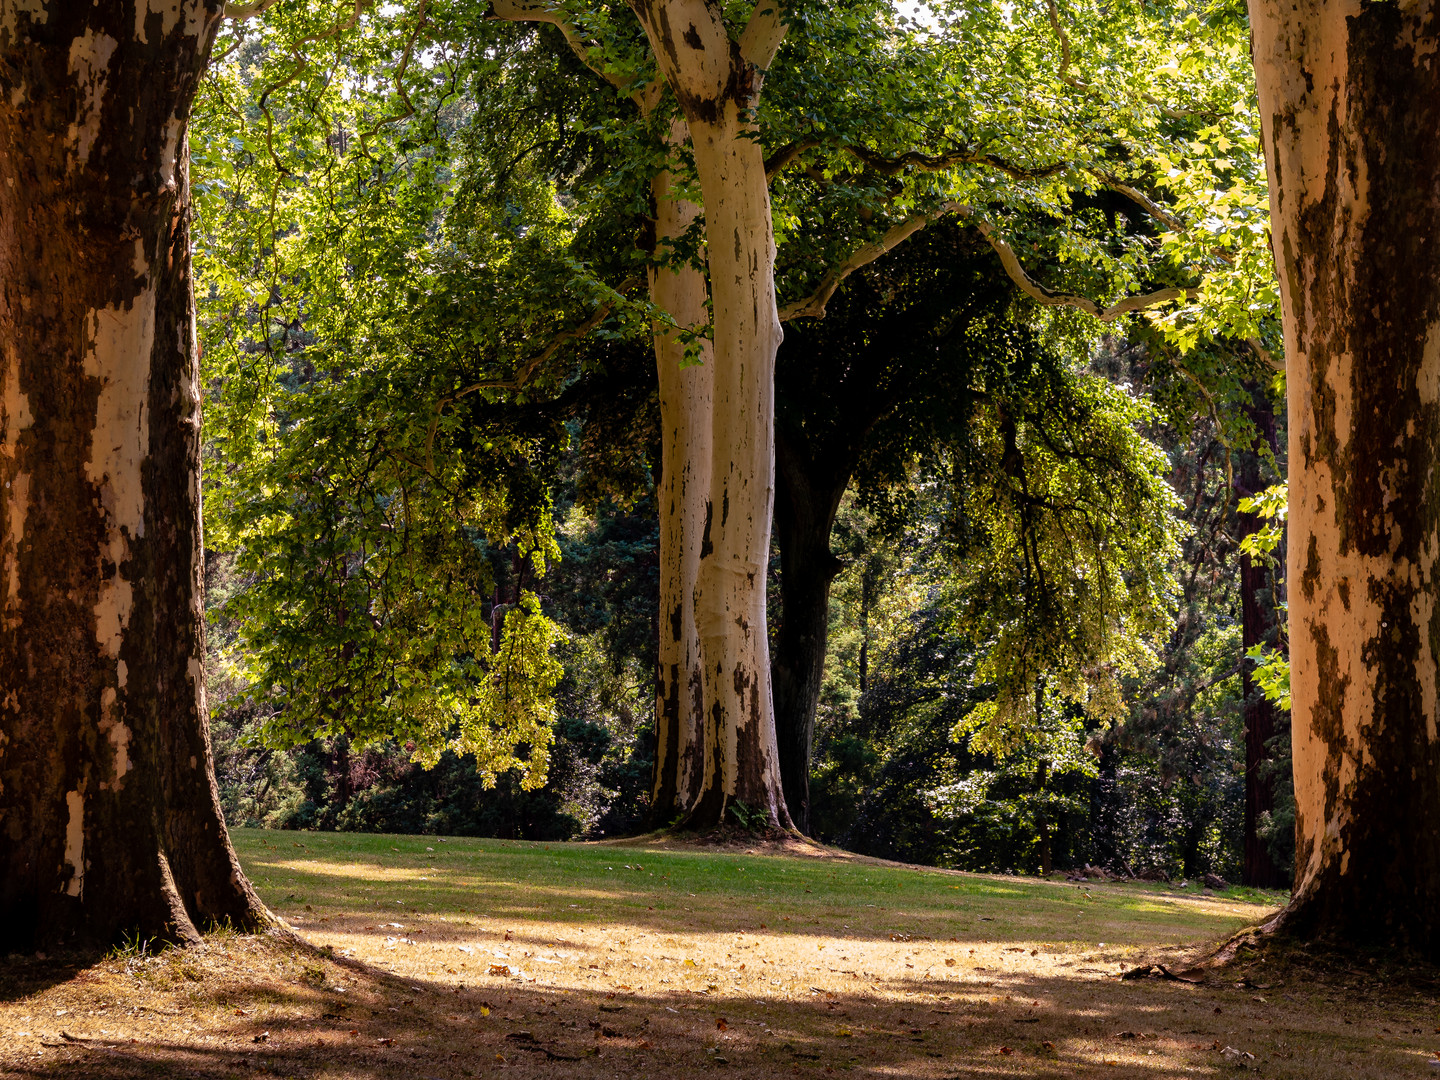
(871, 908)
(388, 1027)
(22, 976)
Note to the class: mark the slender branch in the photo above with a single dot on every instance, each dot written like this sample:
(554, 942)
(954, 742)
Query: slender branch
(399, 78)
(786, 156)
(761, 38)
(526, 371)
(548, 12)
(1145, 202)
(1064, 39)
(1264, 354)
(1050, 298)
(890, 166)
(240, 12)
(813, 306)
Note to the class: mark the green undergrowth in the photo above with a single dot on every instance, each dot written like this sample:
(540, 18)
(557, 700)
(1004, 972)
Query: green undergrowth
(697, 889)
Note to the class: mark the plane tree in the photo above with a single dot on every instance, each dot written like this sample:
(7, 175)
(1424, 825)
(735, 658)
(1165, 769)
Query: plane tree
(109, 818)
(1348, 108)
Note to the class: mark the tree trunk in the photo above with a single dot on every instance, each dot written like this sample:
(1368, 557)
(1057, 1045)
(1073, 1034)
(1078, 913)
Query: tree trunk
(1257, 626)
(1042, 821)
(805, 509)
(685, 407)
(109, 814)
(1350, 106)
(718, 88)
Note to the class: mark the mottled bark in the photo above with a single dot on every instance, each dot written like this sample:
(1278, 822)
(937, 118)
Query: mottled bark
(808, 497)
(1257, 627)
(109, 815)
(717, 81)
(685, 408)
(1350, 107)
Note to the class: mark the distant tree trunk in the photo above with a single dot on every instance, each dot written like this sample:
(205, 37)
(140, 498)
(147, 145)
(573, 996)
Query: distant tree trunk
(1257, 626)
(718, 86)
(1350, 107)
(109, 814)
(807, 500)
(685, 408)
(1047, 853)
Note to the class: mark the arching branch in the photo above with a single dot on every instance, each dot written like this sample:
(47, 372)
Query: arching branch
(546, 12)
(1050, 298)
(813, 306)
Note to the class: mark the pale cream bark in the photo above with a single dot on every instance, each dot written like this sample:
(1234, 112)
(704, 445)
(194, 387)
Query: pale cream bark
(717, 81)
(686, 401)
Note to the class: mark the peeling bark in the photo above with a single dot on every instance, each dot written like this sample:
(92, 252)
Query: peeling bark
(1350, 104)
(109, 814)
(685, 407)
(717, 87)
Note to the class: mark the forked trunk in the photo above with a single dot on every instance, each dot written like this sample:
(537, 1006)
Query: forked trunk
(1350, 106)
(717, 89)
(109, 815)
(685, 406)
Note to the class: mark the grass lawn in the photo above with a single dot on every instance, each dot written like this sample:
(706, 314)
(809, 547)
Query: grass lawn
(457, 958)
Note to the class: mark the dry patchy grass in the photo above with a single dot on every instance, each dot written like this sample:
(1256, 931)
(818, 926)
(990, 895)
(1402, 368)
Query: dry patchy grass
(463, 958)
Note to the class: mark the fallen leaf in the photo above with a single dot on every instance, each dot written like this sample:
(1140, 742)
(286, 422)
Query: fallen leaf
(385, 1042)
(721, 1025)
(1048, 1045)
(499, 969)
(264, 1036)
(1006, 1051)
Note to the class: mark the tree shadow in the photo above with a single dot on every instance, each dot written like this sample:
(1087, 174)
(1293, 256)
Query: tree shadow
(383, 1026)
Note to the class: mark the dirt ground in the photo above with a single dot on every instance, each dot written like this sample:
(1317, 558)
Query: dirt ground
(398, 991)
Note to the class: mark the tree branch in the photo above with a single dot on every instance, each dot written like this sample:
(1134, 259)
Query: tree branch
(1264, 354)
(786, 156)
(545, 12)
(890, 166)
(1064, 39)
(761, 38)
(1050, 298)
(813, 306)
(240, 12)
